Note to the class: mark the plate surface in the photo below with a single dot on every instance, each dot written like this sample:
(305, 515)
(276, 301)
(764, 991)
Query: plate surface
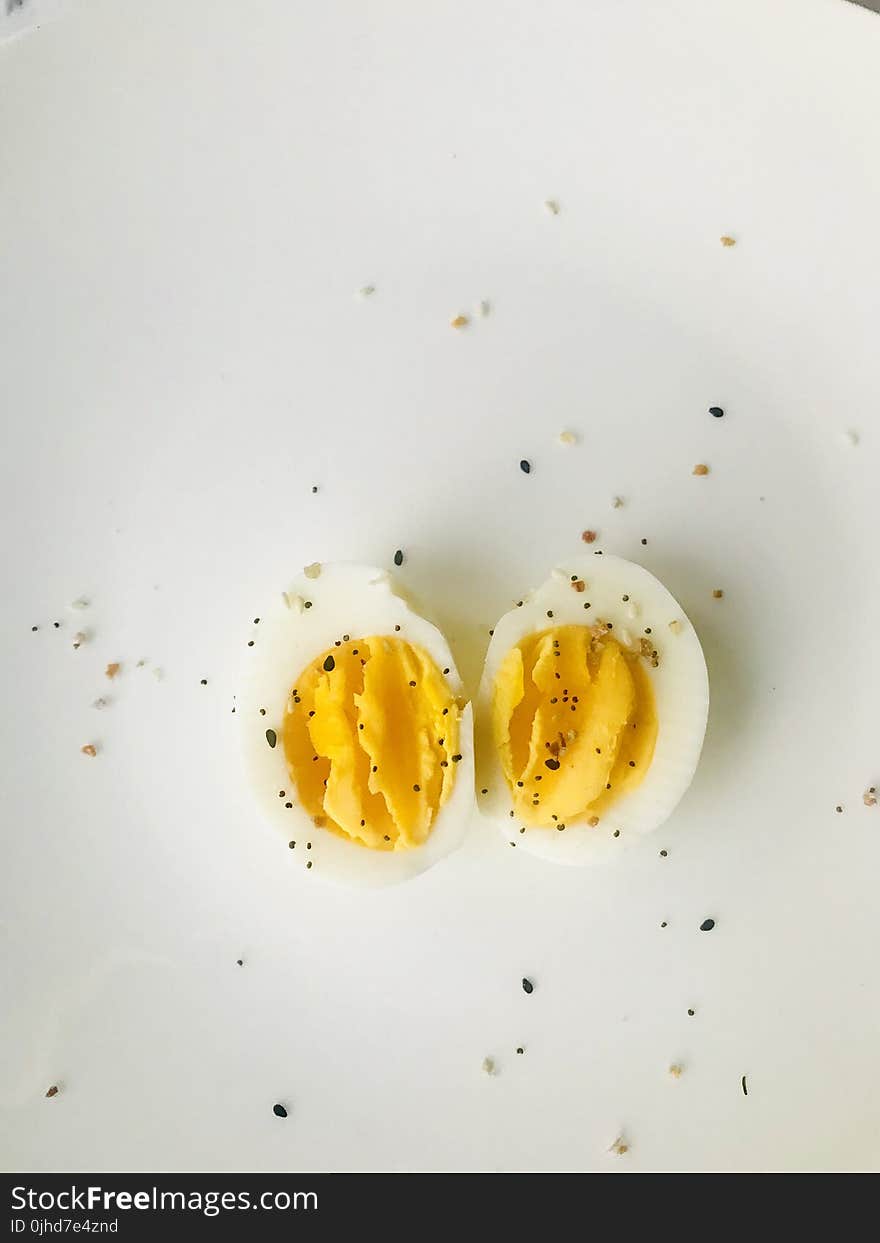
(193, 197)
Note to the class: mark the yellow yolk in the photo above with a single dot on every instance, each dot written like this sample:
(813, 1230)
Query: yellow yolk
(574, 723)
(370, 737)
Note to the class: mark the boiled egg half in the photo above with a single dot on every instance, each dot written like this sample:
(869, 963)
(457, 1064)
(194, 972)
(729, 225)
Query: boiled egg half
(591, 711)
(357, 736)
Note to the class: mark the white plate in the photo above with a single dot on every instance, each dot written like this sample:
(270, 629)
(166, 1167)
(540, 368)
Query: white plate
(191, 202)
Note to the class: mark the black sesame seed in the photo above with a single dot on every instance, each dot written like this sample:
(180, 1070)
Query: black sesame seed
(262, 712)
(418, 789)
(329, 664)
(308, 845)
(279, 1111)
(456, 758)
(588, 605)
(716, 412)
(363, 822)
(647, 630)
(240, 962)
(337, 643)
(663, 854)
(56, 625)
(291, 845)
(271, 737)
(309, 864)
(250, 643)
(33, 628)
(412, 683)
(307, 604)
(644, 541)
(360, 723)
(375, 768)
(551, 764)
(707, 925)
(664, 924)
(204, 682)
(523, 829)
(549, 612)
(288, 805)
(742, 1083)
(256, 621)
(396, 627)
(445, 670)
(692, 1013)
(525, 466)
(345, 639)
(312, 713)
(398, 557)
(314, 488)
(632, 763)
(520, 1050)
(624, 599)
(484, 791)
(282, 794)
(528, 986)
(616, 833)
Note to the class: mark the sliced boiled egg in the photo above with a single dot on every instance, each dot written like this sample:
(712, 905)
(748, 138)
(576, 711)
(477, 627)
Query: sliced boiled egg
(591, 711)
(357, 736)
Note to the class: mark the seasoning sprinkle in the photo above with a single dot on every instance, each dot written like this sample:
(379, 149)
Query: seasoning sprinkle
(551, 206)
(112, 669)
(727, 240)
(675, 1070)
(589, 537)
(700, 469)
(488, 1066)
(52, 1091)
(717, 594)
(869, 798)
(313, 570)
(89, 749)
(567, 438)
(617, 502)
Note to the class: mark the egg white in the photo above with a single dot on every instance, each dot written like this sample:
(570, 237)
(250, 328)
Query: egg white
(359, 601)
(681, 692)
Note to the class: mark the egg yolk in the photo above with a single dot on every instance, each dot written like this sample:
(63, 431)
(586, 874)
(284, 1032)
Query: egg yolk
(574, 723)
(370, 737)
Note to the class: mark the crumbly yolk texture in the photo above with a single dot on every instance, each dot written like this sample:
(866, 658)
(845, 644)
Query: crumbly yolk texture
(574, 723)
(370, 737)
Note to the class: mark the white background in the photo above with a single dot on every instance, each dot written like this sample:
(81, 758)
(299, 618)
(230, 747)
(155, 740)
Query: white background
(191, 195)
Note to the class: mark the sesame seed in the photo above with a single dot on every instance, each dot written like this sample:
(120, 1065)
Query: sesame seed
(398, 557)
(525, 466)
(527, 985)
(716, 412)
(707, 925)
(279, 1111)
